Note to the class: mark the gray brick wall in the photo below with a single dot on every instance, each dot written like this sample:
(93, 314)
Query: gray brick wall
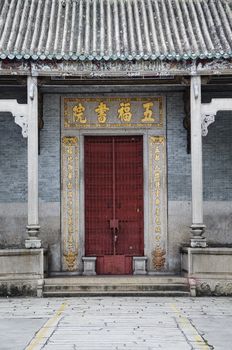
(179, 162)
(217, 159)
(13, 156)
(217, 155)
(49, 159)
(13, 161)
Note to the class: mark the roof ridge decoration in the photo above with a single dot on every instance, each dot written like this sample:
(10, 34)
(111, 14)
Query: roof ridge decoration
(109, 30)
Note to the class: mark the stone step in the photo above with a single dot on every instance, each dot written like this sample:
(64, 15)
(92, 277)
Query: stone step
(115, 280)
(114, 285)
(125, 287)
(163, 293)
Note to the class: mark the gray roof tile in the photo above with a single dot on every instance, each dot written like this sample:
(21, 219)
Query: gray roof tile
(115, 29)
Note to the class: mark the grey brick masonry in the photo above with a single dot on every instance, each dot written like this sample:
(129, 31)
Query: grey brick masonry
(217, 156)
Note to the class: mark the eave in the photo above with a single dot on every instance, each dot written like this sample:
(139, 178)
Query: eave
(116, 69)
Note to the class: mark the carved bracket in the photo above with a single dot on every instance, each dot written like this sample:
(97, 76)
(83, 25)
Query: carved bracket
(19, 112)
(206, 120)
(209, 111)
(22, 121)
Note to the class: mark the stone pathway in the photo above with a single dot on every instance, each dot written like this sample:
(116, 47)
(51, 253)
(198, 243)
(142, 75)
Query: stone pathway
(116, 323)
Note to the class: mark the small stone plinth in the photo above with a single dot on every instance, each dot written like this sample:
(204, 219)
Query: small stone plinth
(89, 265)
(139, 265)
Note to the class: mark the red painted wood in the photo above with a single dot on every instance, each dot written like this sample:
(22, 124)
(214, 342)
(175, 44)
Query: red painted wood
(114, 201)
(114, 265)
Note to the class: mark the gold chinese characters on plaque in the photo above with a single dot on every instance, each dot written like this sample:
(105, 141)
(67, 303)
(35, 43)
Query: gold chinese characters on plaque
(112, 112)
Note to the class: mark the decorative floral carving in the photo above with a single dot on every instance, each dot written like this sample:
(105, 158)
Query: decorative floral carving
(206, 120)
(22, 121)
(214, 287)
(228, 288)
(157, 200)
(158, 258)
(70, 178)
(205, 288)
(70, 259)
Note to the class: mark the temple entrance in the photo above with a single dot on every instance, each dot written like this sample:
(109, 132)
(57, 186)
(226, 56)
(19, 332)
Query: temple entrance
(114, 201)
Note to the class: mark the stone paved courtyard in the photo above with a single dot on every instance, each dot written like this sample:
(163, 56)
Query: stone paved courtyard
(106, 323)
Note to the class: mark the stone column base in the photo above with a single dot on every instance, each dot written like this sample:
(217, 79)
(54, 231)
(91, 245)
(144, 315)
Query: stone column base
(139, 265)
(89, 265)
(33, 241)
(198, 242)
(197, 239)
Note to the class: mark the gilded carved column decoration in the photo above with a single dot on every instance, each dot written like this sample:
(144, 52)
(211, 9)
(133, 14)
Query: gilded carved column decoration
(157, 190)
(70, 194)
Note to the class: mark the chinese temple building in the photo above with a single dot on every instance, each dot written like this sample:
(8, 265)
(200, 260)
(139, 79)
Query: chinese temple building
(115, 146)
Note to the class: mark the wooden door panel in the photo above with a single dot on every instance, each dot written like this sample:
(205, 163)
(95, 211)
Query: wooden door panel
(98, 193)
(114, 193)
(129, 194)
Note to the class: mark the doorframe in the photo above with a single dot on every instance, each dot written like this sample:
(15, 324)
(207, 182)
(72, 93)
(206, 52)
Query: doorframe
(147, 134)
(108, 132)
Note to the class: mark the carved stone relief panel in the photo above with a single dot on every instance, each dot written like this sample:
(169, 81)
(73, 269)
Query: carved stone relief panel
(217, 287)
(158, 203)
(69, 202)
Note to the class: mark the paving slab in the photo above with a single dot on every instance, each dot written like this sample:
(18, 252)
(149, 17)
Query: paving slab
(115, 323)
(15, 332)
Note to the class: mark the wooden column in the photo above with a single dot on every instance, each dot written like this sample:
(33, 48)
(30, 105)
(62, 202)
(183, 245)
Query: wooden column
(197, 226)
(32, 148)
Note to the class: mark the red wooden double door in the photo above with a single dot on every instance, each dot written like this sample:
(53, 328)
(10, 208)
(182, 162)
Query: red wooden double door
(114, 201)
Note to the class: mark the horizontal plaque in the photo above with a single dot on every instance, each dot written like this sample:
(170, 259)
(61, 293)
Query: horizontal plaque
(113, 112)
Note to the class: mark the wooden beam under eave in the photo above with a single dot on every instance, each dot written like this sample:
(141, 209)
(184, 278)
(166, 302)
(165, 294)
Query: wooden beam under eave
(128, 70)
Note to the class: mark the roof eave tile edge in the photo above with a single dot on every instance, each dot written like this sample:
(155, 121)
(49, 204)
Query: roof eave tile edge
(124, 58)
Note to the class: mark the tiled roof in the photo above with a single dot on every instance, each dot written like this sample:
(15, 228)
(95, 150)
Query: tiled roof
(115, 29)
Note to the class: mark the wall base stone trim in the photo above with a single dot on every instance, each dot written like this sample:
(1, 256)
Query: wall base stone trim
(212, 287)
(22, 272)
(209, 270)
